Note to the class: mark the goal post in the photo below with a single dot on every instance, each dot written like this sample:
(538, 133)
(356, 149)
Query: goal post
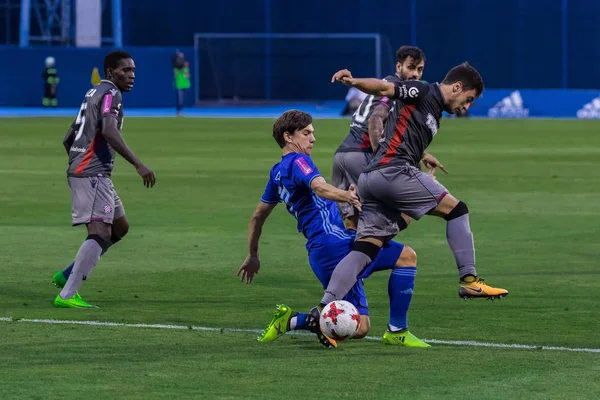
(279, 66)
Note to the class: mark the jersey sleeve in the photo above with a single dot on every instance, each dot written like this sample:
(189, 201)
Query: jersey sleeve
(410, 92)
(304, 170)
(383, 100)
(271, 194)
(110, 104)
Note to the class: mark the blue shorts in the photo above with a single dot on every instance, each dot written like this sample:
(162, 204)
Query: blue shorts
(324, 257)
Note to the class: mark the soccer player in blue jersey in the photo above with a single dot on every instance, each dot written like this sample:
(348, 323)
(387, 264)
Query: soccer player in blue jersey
(296, 181)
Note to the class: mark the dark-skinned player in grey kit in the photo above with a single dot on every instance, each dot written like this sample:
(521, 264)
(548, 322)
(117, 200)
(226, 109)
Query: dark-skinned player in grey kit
(91, 143)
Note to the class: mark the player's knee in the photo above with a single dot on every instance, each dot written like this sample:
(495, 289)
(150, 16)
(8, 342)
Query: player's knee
(363, 329)
(458, 211)
(102, 241)
(408, 258)
(120, 228)
(368, 248)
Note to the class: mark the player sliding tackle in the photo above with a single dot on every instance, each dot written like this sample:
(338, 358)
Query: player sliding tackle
(296, 181)
(392, 184)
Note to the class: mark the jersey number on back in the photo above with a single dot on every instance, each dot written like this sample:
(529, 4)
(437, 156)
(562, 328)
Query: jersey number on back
(361, 116)
(80, 121)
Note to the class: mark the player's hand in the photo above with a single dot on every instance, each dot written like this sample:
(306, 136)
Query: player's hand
(250, 267)
(344, 76)
(147, 175)
(431, 163)
(353, 197)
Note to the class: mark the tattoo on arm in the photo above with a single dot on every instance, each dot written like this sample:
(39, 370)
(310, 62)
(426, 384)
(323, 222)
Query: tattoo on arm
(376, 121)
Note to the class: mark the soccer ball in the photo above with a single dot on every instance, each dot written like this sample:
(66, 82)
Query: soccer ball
(339, 320)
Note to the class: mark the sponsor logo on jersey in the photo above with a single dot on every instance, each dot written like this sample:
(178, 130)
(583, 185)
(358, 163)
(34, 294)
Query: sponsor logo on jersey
(431, 124)
(304, 167)
(106, 104)
(78, 149)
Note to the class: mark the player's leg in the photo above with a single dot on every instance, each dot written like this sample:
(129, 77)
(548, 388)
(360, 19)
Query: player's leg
(322, 260)
(377, 224)
(343, 175)
(460, 241)
(402, 261)
(93, 204)
(416, 194)
(400, 291)
(120, 228)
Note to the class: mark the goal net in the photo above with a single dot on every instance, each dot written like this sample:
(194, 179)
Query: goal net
(242, 67)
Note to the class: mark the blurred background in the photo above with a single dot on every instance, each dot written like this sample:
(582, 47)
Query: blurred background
(538, 58)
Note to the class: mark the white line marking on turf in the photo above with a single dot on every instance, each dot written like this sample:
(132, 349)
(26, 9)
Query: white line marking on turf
(469, 343)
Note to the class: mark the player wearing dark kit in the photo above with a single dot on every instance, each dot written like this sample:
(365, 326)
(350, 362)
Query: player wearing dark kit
(392, 184)
(366, 129)
(91, 143)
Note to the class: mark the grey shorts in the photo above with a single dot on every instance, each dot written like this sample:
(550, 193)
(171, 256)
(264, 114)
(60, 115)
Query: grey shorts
(388, 192)
(94, 199)
(347, 167)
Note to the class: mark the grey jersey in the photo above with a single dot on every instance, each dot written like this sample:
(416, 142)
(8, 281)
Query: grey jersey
(411, 125)
(90, 154)
(358, 137)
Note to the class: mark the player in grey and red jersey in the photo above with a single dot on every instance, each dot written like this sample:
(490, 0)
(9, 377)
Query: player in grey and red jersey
(392, 184)
(91, 143)
(366, 127)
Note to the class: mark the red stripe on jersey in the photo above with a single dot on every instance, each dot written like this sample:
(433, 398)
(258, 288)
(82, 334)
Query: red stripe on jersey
(365, 141)
(396, 141)
(87, 158)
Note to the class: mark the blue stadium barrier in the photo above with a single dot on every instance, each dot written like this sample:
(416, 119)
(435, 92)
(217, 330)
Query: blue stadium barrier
(21, 75)
(542, 103)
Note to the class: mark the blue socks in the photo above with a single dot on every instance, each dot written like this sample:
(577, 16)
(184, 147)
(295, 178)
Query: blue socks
(301, 322)
(400, 290)
(67, 271)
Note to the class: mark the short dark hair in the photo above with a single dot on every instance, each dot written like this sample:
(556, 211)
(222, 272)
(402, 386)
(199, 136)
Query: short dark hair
(410, 51)
(290, 121)
(113, 59)
(466, 74)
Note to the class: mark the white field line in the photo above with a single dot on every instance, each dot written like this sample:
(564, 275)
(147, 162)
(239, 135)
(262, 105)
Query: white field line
(469, 343)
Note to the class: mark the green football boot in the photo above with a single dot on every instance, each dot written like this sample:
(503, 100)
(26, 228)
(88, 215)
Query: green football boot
(403, 338)
(58, 279)
(74, 302)
(279, 324)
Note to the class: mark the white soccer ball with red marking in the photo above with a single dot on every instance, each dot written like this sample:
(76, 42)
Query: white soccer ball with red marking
(339, 320)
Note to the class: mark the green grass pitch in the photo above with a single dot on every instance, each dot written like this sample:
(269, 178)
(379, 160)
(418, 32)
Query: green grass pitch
(533, 190)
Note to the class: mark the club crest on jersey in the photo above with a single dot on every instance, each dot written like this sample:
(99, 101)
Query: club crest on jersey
(431, 124)
(304, 167)
(107, 209)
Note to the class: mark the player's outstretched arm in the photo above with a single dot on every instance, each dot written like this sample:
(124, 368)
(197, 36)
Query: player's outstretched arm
(372, 86)
(330, 192)
(111, 133)
(252, 263)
